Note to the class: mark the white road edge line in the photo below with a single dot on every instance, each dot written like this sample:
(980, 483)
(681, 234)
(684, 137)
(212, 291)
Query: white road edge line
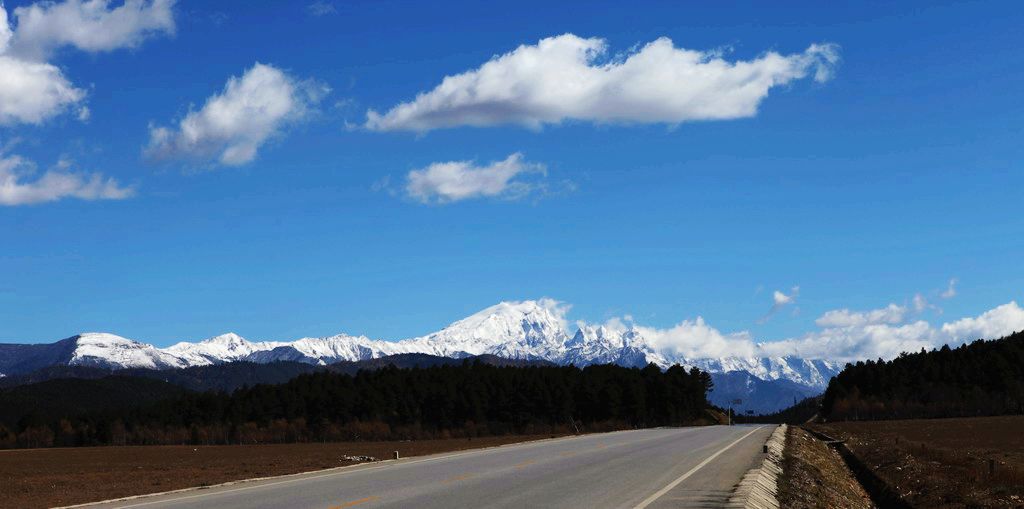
(692, 471)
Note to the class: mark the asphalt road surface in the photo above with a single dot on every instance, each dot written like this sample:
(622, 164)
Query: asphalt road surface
(655, 468)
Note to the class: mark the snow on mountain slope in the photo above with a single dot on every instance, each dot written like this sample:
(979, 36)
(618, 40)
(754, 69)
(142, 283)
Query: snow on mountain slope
(602, 345)
(812, 373)
(110, 351)
(514, 330)
(526, 330)
(224, 348)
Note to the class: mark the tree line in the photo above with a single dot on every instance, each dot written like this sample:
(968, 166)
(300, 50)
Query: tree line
(467, 400)
(979, 378)
(801, 412)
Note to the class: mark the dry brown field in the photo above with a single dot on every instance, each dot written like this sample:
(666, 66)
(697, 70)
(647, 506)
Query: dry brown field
(943, 463)
(34, 478)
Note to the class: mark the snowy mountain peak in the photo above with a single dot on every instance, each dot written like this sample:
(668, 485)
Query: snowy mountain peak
(530, 329)
(218, 349)
(229, 340)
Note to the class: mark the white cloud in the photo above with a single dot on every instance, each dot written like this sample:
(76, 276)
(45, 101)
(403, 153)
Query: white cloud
(779, 301)
(950, 290)
(868, 341)
(696, 339)
(461, 180)
(782, 299)
(55, 184)
(890, 314)
(843, 335)
(33, 90)
(89, 25)
(568, 78)
(991, 324)
(232, 125)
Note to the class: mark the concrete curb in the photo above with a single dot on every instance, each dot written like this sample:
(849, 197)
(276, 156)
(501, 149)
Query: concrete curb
(759, 487)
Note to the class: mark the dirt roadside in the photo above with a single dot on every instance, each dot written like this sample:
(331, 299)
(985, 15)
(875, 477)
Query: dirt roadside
(815, 476)
(36, 478)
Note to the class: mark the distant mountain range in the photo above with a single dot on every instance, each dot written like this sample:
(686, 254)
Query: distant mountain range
(521, 331)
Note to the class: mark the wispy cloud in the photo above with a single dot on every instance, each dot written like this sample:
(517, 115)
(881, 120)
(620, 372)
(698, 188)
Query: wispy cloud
(890, 314)
(779, 301)
(950, 290)
(321, 8)
(570, 78)
(452, 181)
(18, 188)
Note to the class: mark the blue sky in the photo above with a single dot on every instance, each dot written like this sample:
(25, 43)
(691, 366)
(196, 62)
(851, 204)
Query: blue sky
(897, 174)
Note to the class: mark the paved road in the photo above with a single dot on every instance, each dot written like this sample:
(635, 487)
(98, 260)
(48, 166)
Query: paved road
(671, 467)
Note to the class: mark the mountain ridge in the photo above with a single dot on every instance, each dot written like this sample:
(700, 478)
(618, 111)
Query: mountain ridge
(517, 330)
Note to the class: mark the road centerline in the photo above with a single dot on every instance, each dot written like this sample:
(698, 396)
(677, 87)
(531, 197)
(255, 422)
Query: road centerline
(354, 503)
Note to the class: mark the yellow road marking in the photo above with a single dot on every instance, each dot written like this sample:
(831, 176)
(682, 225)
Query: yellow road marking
(354, 502)
(601, 446)
(566, 454)
(457, 478)
(525, 464)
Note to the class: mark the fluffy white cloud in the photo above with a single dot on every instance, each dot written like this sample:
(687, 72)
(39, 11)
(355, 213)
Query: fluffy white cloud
(232, 125)
(991, 324)
(89, 25)
(53, 185)
(866, 341)
(843, 335)
(890, 314)
(33, 90)
(696, 339)
(567, 78)
(460, 180)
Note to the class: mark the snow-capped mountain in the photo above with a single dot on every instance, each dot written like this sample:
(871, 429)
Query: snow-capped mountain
(601, 345)
(107, 350)
(527, 330)
(813, 373)
(515, 330)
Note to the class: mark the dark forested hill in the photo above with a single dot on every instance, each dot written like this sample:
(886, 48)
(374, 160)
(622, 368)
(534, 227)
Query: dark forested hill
(219, 377)
(20, 359)
(53, 399)
(230, 376)
(470, 399)
(980, 378)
